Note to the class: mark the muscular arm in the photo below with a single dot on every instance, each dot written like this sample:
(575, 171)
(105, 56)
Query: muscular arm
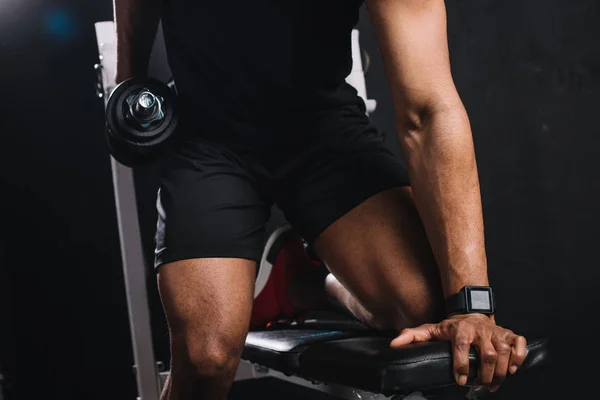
(435, 135)
(136, 22)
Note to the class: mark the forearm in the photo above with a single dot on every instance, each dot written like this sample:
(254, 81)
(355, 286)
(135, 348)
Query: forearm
(435, 135)
(445, 184)
(136, 25)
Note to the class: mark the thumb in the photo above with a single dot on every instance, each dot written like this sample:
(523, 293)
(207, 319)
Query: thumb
(422, 333)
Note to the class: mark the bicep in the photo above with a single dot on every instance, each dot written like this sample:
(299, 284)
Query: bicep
(414, 46)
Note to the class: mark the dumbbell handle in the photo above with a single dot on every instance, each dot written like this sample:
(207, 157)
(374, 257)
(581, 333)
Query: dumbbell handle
(146, 104)
(146, 108)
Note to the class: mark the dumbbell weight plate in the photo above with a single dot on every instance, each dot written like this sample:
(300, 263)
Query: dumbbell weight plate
(129, 143)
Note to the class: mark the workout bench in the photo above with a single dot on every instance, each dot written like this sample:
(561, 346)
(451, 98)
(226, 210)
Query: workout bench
(332, 355)
(344, 358)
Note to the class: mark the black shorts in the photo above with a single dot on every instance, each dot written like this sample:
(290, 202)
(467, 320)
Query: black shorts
(215, 198)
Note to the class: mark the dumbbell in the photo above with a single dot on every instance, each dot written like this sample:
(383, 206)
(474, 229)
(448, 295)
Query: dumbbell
(141, 120)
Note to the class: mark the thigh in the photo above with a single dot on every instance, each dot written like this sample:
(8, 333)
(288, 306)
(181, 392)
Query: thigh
(209, 206)
(345, 164)
(380, 253)
(208, 303)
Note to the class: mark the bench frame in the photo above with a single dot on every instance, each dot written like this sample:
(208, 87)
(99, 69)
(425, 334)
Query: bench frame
(249, 371)
(132, 255)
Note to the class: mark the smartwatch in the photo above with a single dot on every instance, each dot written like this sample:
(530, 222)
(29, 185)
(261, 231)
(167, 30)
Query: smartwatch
(471, 299)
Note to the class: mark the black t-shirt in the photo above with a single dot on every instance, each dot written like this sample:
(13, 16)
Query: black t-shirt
(242, 64)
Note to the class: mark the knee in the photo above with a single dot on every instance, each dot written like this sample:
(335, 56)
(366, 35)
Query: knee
(206, 359)
(213, 362)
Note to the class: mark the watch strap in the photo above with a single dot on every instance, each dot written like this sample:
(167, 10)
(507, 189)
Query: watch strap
(457, 303)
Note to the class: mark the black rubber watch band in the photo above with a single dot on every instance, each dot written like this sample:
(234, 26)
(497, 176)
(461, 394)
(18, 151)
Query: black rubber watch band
(457, 303)
(471, 299)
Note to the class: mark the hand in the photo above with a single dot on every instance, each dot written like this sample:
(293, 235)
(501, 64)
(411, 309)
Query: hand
(500, 349)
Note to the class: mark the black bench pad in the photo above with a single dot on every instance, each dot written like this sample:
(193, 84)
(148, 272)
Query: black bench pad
(360, 359)
(279, 349)
(368, 363)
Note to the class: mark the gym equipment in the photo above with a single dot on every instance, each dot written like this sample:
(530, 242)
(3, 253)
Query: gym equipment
(336, 356)
(343, 358)
(132, 255)
(141, 119)
(356, 78)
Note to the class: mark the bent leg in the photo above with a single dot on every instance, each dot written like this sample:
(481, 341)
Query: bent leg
(382, 265)
(349, 198)
(209, 235)
(208, 303)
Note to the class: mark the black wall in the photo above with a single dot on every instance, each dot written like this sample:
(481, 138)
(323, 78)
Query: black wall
(528, 73)
(71, 336)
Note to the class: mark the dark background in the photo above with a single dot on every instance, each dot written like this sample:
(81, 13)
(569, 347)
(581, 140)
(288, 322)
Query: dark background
(528, 73)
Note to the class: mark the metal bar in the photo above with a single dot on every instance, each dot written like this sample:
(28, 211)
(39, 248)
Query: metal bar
(134, 270)
(356, 77)
(134, 273)
(247, 370)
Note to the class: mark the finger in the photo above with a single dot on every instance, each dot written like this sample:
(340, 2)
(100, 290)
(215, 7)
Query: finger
(461, 345)
(503, 350)
(487, 360)
(423, 333)
(518, 353)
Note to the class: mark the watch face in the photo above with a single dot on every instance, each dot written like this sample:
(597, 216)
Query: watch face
(480, 299)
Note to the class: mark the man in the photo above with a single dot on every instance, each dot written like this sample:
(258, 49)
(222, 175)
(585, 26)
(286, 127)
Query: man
(268, 118)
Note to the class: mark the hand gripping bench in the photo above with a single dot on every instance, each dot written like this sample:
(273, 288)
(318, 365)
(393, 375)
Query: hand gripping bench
(347, 360)
(339, 357)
